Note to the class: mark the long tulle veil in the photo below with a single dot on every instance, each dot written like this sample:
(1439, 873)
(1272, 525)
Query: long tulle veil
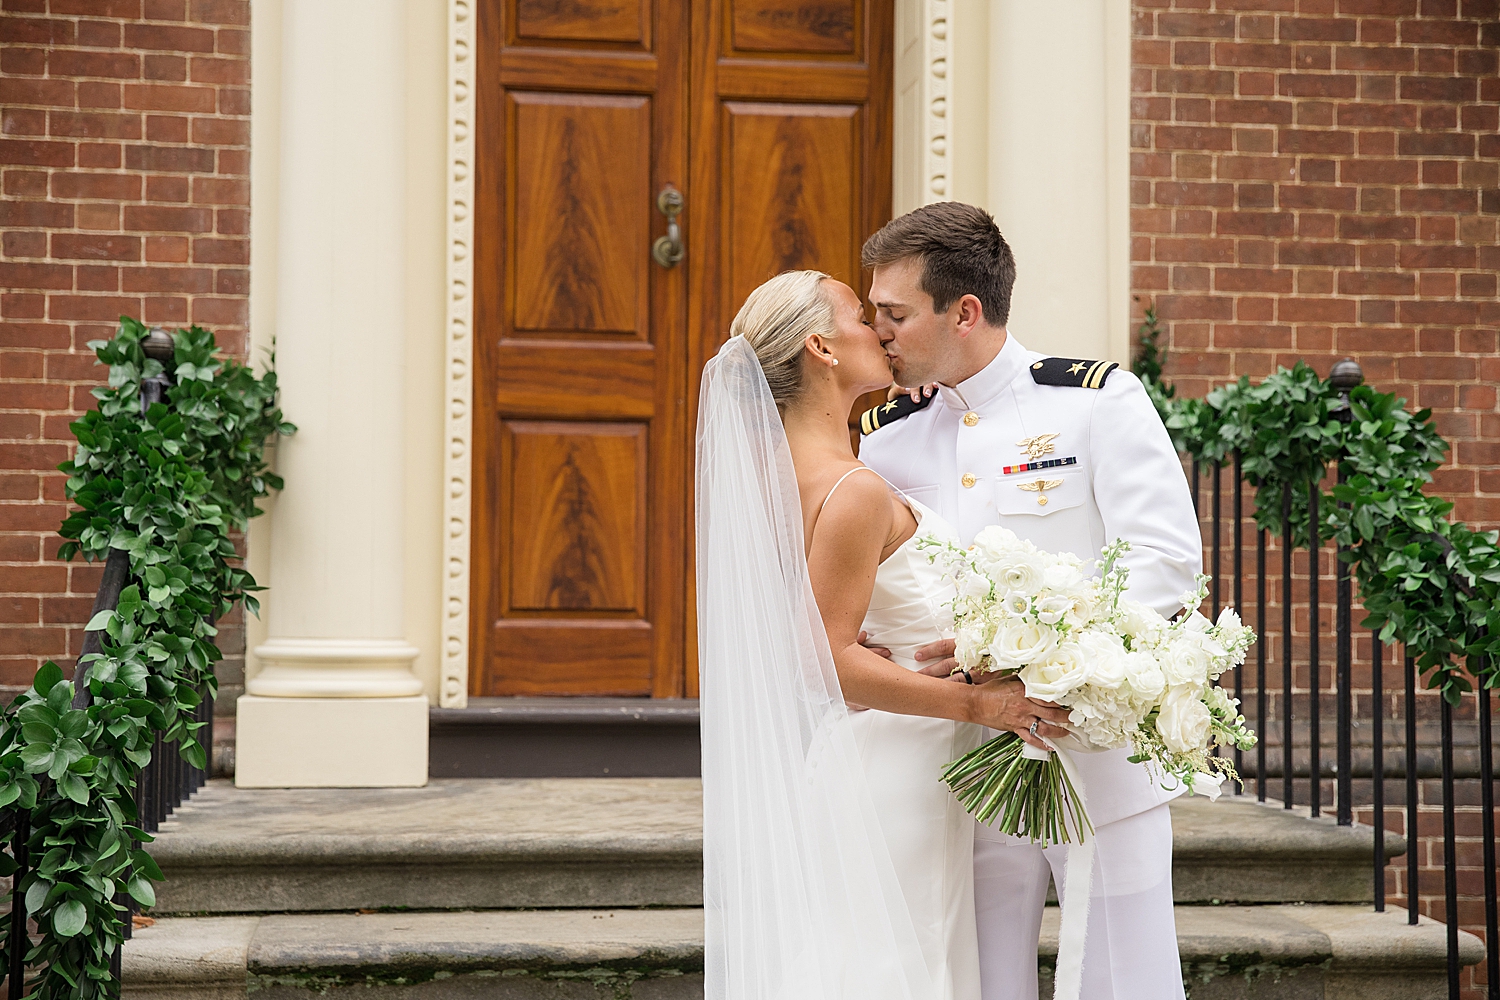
(800, 896)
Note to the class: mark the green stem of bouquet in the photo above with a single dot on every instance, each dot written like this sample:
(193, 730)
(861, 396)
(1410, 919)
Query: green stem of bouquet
(1002, 787)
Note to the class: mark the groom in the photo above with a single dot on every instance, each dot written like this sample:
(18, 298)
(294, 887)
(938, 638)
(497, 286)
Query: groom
(1070, 454)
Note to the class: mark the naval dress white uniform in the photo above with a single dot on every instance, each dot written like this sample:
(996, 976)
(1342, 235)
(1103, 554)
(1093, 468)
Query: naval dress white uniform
(1070, 467)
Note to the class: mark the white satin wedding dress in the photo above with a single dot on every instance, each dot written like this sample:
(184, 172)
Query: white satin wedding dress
(928, 833)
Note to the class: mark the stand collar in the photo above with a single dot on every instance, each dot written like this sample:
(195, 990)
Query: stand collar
(982, 387)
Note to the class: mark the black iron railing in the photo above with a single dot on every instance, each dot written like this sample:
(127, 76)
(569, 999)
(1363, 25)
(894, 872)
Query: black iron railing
(162, 784)
(1300, 730)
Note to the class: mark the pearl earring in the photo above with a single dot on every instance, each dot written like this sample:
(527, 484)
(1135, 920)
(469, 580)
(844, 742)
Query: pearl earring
(835, 360)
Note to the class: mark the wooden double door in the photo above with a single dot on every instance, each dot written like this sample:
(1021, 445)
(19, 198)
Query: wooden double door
(772, 121)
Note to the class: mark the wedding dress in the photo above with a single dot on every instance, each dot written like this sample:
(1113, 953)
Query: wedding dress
(930, 836)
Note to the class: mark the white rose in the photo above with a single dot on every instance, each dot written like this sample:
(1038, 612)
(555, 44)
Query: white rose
(1106, 655)
(1018, 643)
(1064, 575)
(996, 543)
(1145, 676)
(1189, 656)
(1184, 720)
(1065, 670)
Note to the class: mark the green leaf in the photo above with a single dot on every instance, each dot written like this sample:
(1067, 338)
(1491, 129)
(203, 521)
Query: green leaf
(74, 787)
(100, 620)
(141, 890)
(47, 677)
(69, 919)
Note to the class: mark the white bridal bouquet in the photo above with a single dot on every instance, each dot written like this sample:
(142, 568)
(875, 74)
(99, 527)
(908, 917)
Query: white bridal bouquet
(1131, 677)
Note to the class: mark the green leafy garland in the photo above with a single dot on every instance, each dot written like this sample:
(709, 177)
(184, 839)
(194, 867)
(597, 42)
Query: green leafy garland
(166, 487)
(1428, 582)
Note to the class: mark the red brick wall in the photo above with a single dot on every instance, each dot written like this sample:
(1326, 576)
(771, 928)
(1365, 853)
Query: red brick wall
(1317, 179)
(1321, 178)
(125, 162)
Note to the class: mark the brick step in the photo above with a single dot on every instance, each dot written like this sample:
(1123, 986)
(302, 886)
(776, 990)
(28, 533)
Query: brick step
(1228, 953)
(585, 842)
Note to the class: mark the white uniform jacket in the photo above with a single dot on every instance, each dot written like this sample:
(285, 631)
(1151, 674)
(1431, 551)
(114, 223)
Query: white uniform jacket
(1100, 466)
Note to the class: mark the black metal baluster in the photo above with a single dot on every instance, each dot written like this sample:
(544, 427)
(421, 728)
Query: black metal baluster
(1239, 599)
(1286, 646)
(1411, 789)
(1314, 681)
(1344, 682)
(20, 940)
(1377, 761)
(1213, 585)
(1197, 472)
(1260, 664)
(1450, 849)
(1487, 803)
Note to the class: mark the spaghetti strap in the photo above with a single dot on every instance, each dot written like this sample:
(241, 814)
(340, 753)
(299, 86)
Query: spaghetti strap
(857, 468)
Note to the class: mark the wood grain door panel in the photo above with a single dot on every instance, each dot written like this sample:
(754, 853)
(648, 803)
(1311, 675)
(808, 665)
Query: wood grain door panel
(580, 347)
(773, 119)
(799, 27)
(581, 21)
(792, 186)
(582, 213)
(577, 503)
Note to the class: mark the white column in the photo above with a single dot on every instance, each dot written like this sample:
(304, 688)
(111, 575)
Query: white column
(1023, 108)
(335, 702)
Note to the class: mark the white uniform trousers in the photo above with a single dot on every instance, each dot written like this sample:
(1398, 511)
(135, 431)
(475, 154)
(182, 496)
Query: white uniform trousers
(1131, 950)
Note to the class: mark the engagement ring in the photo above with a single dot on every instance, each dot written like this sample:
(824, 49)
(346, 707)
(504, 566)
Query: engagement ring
(1034, 724)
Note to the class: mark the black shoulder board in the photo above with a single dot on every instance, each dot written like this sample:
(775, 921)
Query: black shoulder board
(877, 417)
(1074, 372)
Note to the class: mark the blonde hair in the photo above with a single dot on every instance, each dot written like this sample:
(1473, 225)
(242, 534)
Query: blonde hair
(776, 320)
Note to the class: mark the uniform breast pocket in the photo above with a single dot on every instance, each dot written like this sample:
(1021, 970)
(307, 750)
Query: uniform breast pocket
(1047, 509)
(1040, 494)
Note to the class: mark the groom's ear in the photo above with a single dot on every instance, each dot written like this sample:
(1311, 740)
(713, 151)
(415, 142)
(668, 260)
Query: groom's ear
(968, 313)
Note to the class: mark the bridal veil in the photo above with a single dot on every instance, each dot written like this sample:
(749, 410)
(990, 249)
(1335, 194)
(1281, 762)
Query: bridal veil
(800, 900)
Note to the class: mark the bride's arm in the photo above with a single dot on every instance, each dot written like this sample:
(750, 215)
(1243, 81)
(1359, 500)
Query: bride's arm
(845, 555)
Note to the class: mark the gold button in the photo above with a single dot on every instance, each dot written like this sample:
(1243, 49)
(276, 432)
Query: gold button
(969, 480)
(971, 418)
(1037, 365)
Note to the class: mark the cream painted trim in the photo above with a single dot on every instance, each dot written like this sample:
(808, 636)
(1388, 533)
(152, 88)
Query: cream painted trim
(457, 463)
(935, 139)
(1117, 177)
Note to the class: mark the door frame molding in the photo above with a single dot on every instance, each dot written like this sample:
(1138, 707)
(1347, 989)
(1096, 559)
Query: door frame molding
(458, 344)
(458, 366)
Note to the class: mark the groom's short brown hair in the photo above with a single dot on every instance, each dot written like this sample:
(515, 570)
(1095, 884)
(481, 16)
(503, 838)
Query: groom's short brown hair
(962, 253)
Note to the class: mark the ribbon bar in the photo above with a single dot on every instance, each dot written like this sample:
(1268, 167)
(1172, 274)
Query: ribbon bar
(1050, 463)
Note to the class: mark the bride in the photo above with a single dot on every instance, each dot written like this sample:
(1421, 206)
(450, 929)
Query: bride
(836, 863)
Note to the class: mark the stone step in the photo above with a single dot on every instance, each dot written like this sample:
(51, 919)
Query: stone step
(586, 842)
(1228, 953)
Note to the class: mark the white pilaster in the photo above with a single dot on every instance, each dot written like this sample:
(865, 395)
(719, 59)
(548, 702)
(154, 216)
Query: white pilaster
(335, 701)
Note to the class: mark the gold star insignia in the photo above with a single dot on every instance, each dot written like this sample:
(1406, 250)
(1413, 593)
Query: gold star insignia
(888, 407)
(1078, 368)
(1036, 447)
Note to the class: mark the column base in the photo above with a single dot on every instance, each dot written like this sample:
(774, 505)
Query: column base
(331, 742)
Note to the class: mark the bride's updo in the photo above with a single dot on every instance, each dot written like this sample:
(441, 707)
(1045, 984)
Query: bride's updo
(776, 319)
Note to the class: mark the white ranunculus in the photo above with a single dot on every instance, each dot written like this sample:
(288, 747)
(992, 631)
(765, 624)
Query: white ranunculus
(1064, 576)
(1019, 642)
(1064, 670)
(1184, 720)
(1145, 676)
(1106, 655)
(1021, 573)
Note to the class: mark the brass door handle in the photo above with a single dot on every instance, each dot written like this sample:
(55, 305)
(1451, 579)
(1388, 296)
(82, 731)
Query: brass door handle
(667, 250)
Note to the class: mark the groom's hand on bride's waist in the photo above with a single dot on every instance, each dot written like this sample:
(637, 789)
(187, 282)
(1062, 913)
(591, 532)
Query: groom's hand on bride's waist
(1000, 702)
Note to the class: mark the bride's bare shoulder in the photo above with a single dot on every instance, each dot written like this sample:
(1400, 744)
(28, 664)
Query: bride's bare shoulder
(851, 498)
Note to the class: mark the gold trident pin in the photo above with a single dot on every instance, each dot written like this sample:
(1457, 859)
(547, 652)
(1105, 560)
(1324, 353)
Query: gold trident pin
(1036, 447)
(1038, 486)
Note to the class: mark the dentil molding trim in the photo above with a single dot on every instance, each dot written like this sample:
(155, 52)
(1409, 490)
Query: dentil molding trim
(453, 689)
(935, 117)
